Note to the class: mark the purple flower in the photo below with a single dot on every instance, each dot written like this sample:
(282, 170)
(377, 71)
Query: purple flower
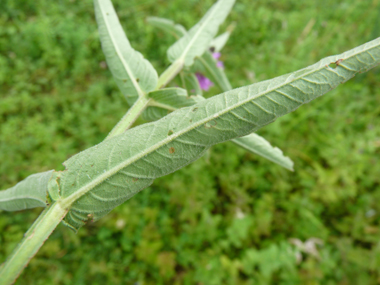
(204, 82)
(219, 63)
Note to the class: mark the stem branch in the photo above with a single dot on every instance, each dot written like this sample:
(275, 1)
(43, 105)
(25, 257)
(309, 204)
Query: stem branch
(169, 73)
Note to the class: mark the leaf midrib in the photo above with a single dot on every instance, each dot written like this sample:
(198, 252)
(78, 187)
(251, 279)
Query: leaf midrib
(84, 189)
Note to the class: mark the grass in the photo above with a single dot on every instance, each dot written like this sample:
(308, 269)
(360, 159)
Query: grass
(227, 218)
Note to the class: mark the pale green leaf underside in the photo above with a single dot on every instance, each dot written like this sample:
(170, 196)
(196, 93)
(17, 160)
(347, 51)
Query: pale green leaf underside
(104, 176)
(133, 74)
(205, 63)
(220, 41)
(170, 99)
(262, 147)
(179, 31)
(167, 100)
(173, 98)
(29, 193)
(197, 40)
(169, 26)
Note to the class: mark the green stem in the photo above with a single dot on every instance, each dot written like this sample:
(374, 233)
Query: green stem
(169, 73)
(130, 117)
(31, 243)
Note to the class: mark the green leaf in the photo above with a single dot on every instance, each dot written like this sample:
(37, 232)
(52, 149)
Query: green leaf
(197, 40)
(172, 98)
(169, 26)
(220, 41)
(252, 142)
(104, 176)
(262, 147)
(31, 192)
(179, 31)
(167, 100)
(134, 75)
(154, 113)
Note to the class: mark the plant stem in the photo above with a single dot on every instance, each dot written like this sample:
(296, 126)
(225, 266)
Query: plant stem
(31, 243)
(139, 106)
(169, 73)
(130, 117)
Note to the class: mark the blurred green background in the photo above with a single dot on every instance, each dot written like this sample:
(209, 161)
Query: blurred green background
(230, 217)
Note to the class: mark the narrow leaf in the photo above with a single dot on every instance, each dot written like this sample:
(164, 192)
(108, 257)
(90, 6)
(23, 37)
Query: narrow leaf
(172, 98)
(31, 192)
(169, 26)
(220, 41)
(262, 147)
(253, 142)
(198, 39)
(133, 74)
(102, 177)
(167, 100)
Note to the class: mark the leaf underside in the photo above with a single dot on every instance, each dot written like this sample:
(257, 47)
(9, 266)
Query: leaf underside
(168, 99)
(133, 74)
(262, 147)
(30, 193)
(104, 176)
(169, 26)
(197, 40)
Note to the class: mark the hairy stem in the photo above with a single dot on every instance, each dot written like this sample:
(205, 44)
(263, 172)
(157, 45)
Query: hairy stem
(31, 243)
(169, 73)
(130, 117)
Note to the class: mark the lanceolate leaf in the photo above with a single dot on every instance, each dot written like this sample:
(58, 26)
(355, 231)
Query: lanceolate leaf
(169, 26)
(262, 147)
(179, 31)
(219, 42)
(172, 98)
(167, 100)
(102, 177)
(198, 39)
(29, 193)
(206, 63)
(133, 74)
